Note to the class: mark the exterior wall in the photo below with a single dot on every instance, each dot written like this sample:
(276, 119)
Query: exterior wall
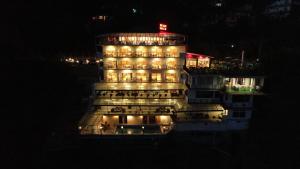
(163, 119)
(111, 120)
(192, 97)
(205, 81)
(134, 119)
(158, 63)
(222, 126)
(227, 99)
(248, 114)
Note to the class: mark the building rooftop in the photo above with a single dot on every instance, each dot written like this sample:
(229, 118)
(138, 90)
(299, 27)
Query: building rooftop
(138, 34)
(161, 39)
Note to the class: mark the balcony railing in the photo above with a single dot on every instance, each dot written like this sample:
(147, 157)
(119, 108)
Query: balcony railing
(241, 89)
(146, 54)
(125, 129)
(141, 38)
(145, 67)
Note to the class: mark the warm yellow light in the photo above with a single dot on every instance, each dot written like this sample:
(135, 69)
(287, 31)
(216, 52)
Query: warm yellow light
(171, 48)
(140, 71)
(155, 48)
(127, 87)
(126, 48)
(170, 71)
(127, 71)
(225, 112)
(141, 48)
(79, 127)
(110, 59)
(171, 59)
(163, 118)
(110, 48)
(115, 117)
(129, 117)
(110, 71)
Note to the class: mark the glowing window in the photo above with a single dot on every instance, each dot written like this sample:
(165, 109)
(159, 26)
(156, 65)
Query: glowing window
(125, 51)
(110, 51)
(171, 77)
(191, 63)
(156, 63)
(111, 77)
(141, 51)
(156, 77)
(172, 52)
(156, 51)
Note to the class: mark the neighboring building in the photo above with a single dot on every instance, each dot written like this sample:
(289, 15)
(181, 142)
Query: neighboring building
(282, 8)
(234, 88)
(151, 86)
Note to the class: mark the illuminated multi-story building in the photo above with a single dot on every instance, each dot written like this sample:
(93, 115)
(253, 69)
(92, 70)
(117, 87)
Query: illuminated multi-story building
(141, 86)
(152, 86)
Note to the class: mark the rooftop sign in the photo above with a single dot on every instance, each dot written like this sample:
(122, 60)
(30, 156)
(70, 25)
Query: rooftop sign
(163, 27)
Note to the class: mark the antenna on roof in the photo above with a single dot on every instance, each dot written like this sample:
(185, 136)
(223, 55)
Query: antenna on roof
(242, 60)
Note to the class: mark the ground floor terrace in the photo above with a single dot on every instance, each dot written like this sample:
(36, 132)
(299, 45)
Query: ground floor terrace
(132, 117)
(99, 124)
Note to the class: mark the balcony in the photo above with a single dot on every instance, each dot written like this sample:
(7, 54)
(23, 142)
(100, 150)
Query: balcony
(125, 66)
(138, 55)
(169, 66)
(142, 67)
(243, 90)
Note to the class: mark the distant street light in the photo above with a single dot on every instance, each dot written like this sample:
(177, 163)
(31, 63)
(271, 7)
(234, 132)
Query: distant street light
(134, 10)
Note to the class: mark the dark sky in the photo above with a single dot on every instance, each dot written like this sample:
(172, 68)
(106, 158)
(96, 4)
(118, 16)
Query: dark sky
(49, 27)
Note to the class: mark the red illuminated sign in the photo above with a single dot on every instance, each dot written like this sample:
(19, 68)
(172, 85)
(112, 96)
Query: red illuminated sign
(194, 55)
(163, 27)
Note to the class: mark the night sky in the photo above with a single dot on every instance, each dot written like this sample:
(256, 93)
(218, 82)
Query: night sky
(66, 26)
(42, 97)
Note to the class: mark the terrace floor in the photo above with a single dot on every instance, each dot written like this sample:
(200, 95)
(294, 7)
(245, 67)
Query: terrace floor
(94, 125)
(103, 86)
